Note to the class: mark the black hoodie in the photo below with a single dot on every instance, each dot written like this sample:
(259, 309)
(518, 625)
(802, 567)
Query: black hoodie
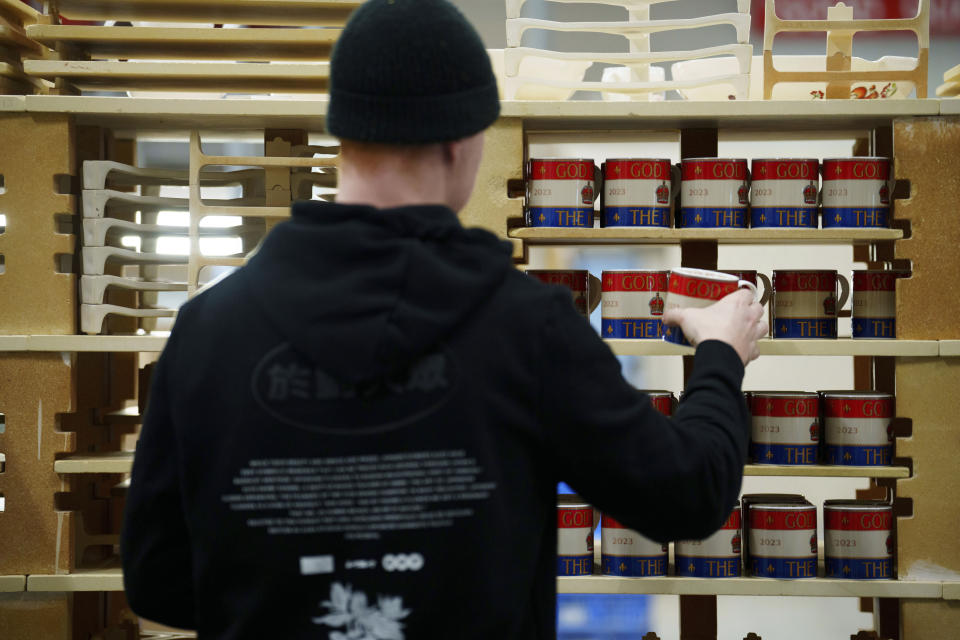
(359, 435)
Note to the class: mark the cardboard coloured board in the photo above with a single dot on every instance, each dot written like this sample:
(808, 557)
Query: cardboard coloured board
(253, 12)
(31, 616)
(926, 149)
(490, 206)
(37, 297)
(164, 43)
(217, 77)
(34, 390)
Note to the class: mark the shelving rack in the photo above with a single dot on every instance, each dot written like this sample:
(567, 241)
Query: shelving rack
(67, 398)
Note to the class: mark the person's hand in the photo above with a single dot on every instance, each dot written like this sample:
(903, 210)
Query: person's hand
(736, 320)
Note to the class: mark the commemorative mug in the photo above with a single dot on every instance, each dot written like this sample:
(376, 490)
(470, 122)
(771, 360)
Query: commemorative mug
(662, 401)
(624, 552)
(714, 192)
(632, 303)
(561, 192)
(584, 287)
(754, 277)
(575, 523)
(856, 192)
(784, 427)
(783, 193)
(874, 312)
(783, 540)
(805, 303)
(698, 288)
(858, 427)
(717, 556)
(858, 539)
(637, 192)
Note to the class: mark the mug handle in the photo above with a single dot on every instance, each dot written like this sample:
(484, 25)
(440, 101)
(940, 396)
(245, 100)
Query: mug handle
(749, 285)
(767, 288)
(844, 292)
(594, 292)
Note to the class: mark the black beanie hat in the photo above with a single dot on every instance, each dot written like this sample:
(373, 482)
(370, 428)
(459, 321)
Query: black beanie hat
(410, 72)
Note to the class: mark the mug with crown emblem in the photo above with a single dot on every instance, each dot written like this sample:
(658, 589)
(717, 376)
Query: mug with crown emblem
(805, 303)
(584, 287)
(637, 193)
(714, 192)
(632, 303)
(783, 193)
(856, 192)
(561, 193)
(698, 288)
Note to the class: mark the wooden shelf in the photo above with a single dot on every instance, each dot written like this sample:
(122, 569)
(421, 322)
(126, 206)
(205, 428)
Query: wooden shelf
(816, 587)
(185, 76)
(951, 590)
(190, 44)
(741, 114)
(82, 343)
(621, 347)
(825, 471)
(107, 578)
(110, 578)
(182, 114)
(260, 12)
(12, 584)
(653, 235)
(950, 348)
(113, 462)
(780, 347)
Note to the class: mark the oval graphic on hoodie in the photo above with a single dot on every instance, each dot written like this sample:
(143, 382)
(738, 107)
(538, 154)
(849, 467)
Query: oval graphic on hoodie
(296, 391)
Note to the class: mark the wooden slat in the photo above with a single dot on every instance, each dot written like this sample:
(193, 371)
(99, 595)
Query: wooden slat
(257, 12)
(12, 584)
(825, 471)
(17, 10)
(112, 462)
(950, 348)
(108, 578)
(816, 587)
(217, 77)
(190, 44)
(779, 347)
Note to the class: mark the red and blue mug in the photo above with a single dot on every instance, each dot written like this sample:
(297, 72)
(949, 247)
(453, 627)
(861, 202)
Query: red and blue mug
(698, 288)
(638, 192)
(714, 192)
(561, 193)
(856, 192)
(783, 193)
(805, 303)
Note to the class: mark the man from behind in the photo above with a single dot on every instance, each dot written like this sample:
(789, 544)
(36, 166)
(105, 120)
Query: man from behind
(359, 434)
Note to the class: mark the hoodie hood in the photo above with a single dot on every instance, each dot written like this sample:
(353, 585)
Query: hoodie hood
(362, 291)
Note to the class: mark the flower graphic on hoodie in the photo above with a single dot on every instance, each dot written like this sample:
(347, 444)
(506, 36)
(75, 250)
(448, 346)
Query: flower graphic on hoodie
(360, 621)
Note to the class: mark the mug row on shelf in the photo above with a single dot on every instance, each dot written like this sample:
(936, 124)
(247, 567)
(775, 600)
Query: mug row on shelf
(713, 193)
(765, 536)
(805, 302)
(800, 428)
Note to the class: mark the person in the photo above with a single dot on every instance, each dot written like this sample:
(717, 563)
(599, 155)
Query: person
(359, 434)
